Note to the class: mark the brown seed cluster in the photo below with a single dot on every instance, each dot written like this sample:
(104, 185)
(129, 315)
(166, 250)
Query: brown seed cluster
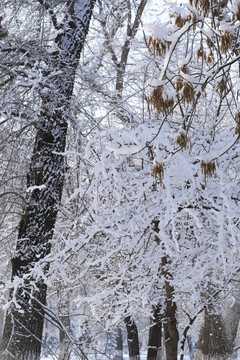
(188, 93)
(208, 169)
(158, 46)
(179, 20)
(202, 4)
(179, 84)
(160, 101)
(183, 141)
(205, 5)
(158, 172)
(237, 129)
(221, 88)
(226, 42)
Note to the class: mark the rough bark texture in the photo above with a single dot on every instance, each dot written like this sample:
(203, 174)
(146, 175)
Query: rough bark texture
(24, 321)
(132, 339)
(216, 340)
(155, 336)
(170, 324)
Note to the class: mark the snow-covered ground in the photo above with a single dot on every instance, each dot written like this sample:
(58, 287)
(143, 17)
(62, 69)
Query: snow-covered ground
(125, 357)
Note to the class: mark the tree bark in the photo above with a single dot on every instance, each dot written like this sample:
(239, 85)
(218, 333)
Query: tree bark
(23, 328)
(170, 324)
(216, 340)
(64, 341)
(118, 355)
(155, 336)
(132, 339)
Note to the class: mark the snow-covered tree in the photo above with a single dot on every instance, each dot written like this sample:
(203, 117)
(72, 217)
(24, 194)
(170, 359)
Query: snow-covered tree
(46, 67)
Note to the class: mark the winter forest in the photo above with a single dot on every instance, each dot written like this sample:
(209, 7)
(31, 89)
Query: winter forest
(119, 179)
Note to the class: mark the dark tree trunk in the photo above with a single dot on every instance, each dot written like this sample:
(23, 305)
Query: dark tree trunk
(24, 321)
(171, 334)
(155, 336)
(132, 339)
(217, 337)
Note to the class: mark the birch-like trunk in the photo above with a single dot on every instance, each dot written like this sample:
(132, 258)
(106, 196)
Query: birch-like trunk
(23, 328)
(118, 354)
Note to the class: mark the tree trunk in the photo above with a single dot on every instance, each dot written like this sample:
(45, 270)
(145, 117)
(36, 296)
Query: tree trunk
(217, 337)
(155, 336)
(191, 347)
(118, 354)
(64, 309)
(132, 339)
(24, 320)
(170, 324)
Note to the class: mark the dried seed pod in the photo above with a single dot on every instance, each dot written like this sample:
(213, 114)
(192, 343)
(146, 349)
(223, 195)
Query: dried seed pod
(158, 172)
(183, 140)
(184, 69)
(226, 42)
(209, 43)
(208, 168)
(221, 88)
(201, 54)
(205, 6)
(179, 21)
(158, 46)
(160, 101)
(188, 93)
(237, 129)
(210, 58)
(178, 84)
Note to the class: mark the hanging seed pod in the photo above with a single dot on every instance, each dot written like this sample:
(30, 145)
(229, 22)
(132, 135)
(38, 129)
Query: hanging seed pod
(184, 69)
(183, 141)
(188, 93)
(226, 42)
(209, 43)
(208, 169)
(205, 6)
(196, 3)
(237, 129)
(210, 58)
(201, 54)
(158, 172)
(160, 101)
(179, 21)
(158, 46)
(178, 84)
(221, 88)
